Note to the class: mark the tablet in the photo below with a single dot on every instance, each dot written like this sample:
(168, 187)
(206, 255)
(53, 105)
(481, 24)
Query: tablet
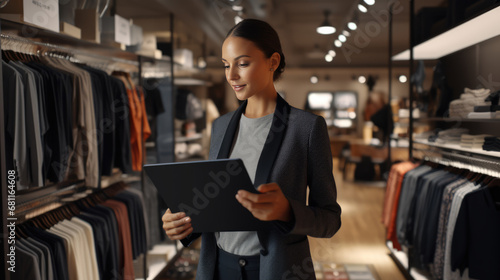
(205, 191)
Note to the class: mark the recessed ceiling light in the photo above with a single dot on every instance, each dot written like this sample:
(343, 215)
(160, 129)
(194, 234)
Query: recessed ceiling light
(362, 8)
(237, 8)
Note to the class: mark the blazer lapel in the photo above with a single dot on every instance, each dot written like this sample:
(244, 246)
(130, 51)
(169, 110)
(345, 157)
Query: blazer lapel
(273, 140)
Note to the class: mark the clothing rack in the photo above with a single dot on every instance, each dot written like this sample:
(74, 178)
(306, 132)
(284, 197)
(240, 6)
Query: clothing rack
(473, 162)
(30, 47)
(40, 200)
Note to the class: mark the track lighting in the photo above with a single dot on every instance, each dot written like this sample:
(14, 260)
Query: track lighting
(328, 58)
(338, 44)
(369, 2)
(342, 38)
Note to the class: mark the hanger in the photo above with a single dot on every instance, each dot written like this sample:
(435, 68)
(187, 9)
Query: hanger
(20, 231)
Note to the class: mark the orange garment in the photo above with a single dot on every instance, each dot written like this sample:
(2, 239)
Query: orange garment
(391, 200)
(139, 125)
(124, 238)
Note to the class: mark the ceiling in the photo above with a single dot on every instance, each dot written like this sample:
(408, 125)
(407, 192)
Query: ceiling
(201, 25)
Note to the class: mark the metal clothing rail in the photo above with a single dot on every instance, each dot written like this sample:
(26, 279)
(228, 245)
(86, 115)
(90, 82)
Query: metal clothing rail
(474, 163)
(47, 48)
(39, 200)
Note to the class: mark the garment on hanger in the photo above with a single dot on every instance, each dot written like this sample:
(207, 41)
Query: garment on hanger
(63, 121)
(447, 220)
(139, 125)
(391, 200)
(94, 238)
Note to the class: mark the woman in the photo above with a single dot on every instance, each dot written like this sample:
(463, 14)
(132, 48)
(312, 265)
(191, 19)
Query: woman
(285, 150)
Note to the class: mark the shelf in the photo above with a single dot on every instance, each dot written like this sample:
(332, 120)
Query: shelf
(58, 41)
(186, 139)
(474, 31)
(401, 260)
(460, 120)
(190, 82)
(458, 148)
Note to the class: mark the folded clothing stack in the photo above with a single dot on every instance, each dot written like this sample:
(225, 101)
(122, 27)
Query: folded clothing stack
(473, 141)
(424, 135)
(491, 144)
(451, 136)
(460, 108)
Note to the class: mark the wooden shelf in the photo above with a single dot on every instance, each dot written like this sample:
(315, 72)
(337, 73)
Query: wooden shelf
(47, 38)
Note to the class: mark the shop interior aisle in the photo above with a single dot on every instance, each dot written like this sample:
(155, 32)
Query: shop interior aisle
(361, 239)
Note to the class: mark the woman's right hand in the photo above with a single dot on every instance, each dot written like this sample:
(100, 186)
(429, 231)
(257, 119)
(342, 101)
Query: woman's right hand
(176, 225)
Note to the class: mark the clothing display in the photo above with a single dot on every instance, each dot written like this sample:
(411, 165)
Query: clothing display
(66, 121)
(139, 125)
(491, 144)
(460, 108)
(100, 240)
(442, 215)
(472, 141)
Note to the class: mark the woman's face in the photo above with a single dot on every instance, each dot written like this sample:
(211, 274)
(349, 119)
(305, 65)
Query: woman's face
(248, 70)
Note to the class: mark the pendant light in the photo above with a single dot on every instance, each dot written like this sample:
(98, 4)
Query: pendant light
(326, 28)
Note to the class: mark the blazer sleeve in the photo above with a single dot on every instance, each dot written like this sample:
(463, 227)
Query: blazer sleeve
(321, 217)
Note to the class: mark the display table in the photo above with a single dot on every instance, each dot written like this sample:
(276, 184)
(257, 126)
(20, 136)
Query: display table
(378, 155)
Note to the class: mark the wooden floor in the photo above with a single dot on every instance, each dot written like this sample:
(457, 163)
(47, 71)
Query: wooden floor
(360, 240)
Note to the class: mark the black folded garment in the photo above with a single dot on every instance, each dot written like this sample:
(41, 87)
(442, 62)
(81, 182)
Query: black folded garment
(491, 144)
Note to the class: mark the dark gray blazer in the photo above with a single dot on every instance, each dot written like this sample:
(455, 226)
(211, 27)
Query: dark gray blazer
(296, 155)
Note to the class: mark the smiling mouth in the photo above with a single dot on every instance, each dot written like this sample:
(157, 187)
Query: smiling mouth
(239, 87)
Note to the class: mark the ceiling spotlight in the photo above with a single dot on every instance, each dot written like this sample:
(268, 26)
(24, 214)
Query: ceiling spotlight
(338, 44)
(402, 79)
(353, 24)
(314, 79)
(369, 2)
(362, 8)
(237, 19)
(237, 8)
(326, 28)
(328, 58)
(346, 33)
(332, 53)
(342, 38)
(362, 79)
(202, 63)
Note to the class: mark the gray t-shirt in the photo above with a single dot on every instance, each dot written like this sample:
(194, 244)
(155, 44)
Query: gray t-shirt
(251, 137)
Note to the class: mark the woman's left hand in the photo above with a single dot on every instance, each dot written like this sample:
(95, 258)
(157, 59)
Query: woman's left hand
(269, 205)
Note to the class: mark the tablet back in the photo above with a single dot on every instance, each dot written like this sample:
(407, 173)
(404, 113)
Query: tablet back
(205, 191)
